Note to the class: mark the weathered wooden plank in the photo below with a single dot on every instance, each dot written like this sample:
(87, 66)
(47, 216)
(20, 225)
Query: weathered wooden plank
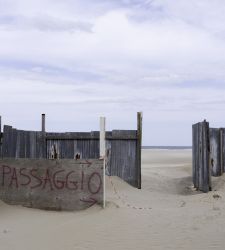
(6, 141)
(41, 145)
(17, 154)
(201, 160)
(206, 156)
(194, 154)
(198, 156)
(139, 144)
(102, 137)
(32, 140)
(1, 137)
(114, 135)
(221, 150)
(23, 144)
(215, 159)
(200, 153)
(43, 123)
(108, 157)
(14, 143)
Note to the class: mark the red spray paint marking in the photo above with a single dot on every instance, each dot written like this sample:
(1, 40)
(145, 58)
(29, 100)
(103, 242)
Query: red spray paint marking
(36, 177)
(73, 182)
(91, 201)
(26, 176)
(4, 172)
(47, 179)
(58, 184)
(30, 178)
(89, 181)
(14, 178)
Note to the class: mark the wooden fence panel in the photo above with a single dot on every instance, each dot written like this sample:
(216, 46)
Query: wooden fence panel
(122, 160)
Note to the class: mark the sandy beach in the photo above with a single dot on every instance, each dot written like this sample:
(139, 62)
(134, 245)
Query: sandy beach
(165, 214)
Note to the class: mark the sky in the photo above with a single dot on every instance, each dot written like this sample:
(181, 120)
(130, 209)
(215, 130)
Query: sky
(77, 60)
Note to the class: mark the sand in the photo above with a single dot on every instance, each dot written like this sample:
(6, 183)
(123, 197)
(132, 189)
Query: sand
(166, 214)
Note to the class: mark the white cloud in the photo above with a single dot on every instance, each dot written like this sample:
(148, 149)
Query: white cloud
(166, 58)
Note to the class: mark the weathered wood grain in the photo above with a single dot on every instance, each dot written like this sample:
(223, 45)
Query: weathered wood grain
(201, 171)
(43, 123)
(215, 151)
(138, 148)
(123, 148)
(114, 135)
(1, 136)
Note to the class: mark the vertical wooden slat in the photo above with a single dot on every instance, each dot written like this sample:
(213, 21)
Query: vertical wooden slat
(6, 141)
(200, 155)
(221, 150)
(194, 154)
(102, 137)
(108, 157)
(41, 145)
(14, 143)
(206, 165)
(0, 137)
(43, 123)
(139, 145)
(215, 149)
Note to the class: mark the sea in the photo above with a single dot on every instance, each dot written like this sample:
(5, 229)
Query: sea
(167, 147)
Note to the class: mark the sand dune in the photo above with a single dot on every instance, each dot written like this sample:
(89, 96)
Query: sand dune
(166, 214)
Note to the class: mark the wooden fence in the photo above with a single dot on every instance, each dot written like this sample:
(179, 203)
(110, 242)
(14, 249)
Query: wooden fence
(123, 148)
(208, 154)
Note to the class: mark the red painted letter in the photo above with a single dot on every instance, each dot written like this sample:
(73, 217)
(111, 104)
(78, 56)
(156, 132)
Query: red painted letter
(73, 182)
(36, 177)
(14, 178)
(26, 176)
(5, 170)
(47, 179)
(89, 183)
(57, 183)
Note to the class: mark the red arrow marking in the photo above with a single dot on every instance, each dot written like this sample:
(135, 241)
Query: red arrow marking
(91, 200)
(89, 163)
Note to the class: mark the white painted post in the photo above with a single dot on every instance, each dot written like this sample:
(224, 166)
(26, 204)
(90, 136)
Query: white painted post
(102, 152)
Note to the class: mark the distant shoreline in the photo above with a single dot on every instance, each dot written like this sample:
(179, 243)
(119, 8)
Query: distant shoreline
(167, 147)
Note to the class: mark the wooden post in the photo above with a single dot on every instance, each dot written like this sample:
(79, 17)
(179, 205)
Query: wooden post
(42, 139)
(201, 157)
(102, 152)
(43, 123)
(139, 144)
(221, 151)
(215, 151)
(0, 136)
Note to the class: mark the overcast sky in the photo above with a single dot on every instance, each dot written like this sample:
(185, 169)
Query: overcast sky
(76, 60)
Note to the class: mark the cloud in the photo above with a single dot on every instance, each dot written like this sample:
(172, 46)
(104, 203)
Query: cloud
(88, 58)
(43, 23)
